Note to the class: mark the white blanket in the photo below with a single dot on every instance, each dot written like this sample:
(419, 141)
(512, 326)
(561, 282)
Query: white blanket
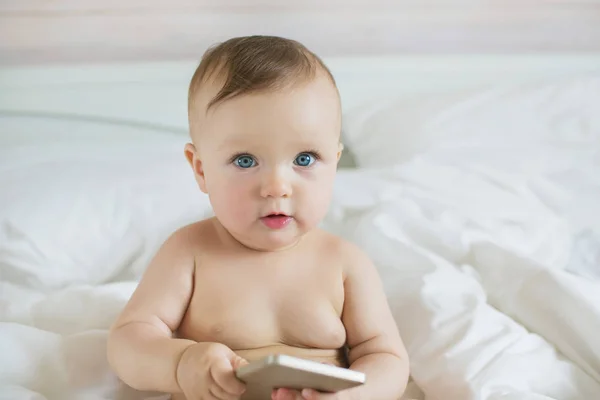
(491, 269)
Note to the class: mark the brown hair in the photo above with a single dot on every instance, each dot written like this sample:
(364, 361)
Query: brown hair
(254, 63)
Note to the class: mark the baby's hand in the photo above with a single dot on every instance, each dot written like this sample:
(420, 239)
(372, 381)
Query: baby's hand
(207, 371)
(306, 394)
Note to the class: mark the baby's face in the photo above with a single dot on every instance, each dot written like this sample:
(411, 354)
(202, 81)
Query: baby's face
(268, 162)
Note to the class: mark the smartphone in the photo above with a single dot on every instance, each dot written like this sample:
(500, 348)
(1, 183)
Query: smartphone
(283, 371)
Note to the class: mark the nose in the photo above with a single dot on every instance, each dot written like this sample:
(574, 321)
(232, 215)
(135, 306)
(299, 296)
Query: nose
(275, 184)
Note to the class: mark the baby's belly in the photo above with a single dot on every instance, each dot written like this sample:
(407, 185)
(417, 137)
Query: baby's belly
(330, 356)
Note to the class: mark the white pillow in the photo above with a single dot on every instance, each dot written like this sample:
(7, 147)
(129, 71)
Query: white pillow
(393, 132)
(85, 202)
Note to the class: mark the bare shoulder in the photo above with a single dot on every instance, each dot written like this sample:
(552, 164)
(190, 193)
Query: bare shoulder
(353, 259)
(165, 288)
(192, 237)
(178, 253)
(357, 263)
(193, 232)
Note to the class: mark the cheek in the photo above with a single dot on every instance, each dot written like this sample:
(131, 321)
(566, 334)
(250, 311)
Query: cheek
(317, 195)
(232, 197)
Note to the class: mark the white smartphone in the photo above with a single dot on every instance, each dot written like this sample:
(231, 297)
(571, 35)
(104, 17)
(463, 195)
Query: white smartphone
(283, 371)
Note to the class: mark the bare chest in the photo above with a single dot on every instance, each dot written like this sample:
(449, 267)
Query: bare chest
(250, 303)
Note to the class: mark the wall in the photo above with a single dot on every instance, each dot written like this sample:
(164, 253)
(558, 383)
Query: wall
(44, 31)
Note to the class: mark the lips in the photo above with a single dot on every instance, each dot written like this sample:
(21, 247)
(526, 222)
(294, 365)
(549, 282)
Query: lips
(276, 221)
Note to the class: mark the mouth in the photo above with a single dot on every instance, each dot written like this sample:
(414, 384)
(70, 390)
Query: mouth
(276, 220)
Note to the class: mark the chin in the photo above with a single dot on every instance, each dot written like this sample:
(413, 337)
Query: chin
(277, 241)
(258, 237)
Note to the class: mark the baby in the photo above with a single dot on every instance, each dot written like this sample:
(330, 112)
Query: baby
(260, 277)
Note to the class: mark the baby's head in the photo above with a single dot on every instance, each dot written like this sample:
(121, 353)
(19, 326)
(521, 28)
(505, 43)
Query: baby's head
(265, 123)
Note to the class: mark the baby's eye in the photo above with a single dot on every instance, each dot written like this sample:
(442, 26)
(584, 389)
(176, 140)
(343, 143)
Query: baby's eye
(304, 159)
(244, 162)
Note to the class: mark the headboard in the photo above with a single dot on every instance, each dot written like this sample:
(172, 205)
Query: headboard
(154, 94)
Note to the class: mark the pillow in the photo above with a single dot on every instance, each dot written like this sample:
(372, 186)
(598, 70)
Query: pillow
(85, 202)
(395, 131)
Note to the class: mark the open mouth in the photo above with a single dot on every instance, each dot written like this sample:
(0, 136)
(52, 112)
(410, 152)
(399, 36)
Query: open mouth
(276, 220)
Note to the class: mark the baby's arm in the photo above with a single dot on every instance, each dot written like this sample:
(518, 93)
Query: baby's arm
(141, 348)
(375, 346)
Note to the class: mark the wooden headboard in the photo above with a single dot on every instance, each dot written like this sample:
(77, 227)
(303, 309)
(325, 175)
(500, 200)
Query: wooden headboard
(68, 31)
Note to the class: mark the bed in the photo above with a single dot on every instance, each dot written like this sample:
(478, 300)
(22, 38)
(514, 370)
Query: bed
(473, 182)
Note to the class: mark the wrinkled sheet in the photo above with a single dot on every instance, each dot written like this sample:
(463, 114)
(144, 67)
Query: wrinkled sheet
(490, 260)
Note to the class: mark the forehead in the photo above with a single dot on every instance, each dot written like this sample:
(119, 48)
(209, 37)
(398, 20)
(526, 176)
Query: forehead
(308, 111)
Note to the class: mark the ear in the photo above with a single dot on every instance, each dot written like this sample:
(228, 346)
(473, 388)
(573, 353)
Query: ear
(340, 150)
(192, 156)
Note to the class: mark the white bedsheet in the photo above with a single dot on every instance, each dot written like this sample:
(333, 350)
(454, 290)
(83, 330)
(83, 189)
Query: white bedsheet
(491, 268)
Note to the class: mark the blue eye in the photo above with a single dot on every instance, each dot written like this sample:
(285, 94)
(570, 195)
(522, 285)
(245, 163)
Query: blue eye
(244, 162)
(304, 159)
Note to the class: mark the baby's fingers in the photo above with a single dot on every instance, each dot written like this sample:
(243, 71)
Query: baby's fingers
(309, 394)
(238, 362)
(222, 374)
(219, 393)
(286, 394)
